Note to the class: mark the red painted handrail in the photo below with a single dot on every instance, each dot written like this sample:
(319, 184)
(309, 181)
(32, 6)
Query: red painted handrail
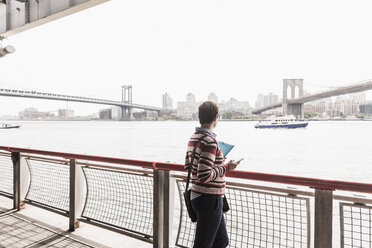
(302, 181)
(145, 164)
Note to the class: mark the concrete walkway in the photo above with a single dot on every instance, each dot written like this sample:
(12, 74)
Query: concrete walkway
(19, 232)
(35, 227)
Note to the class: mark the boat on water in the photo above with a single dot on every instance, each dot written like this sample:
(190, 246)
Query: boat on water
(282, 122)
(8, 126)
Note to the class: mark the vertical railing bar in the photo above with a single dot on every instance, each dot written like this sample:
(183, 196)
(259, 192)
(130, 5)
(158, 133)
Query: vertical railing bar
(342, 224)
(72, 210)
(323, 218)
(308, 223)
(16, 180)
(161, 209)
(369, 229)
(166, 209)
(158, 205)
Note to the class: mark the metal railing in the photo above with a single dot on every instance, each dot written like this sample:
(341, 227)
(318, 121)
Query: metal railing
(119, 198)
(257, 219)
(49, 182)
(6, 173)
(137, 198)
(356, 224)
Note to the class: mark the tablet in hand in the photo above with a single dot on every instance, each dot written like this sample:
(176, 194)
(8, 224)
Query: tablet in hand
(225, 148)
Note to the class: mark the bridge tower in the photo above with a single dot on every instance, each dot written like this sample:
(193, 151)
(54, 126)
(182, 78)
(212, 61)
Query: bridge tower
(293, 109)
(127, 98)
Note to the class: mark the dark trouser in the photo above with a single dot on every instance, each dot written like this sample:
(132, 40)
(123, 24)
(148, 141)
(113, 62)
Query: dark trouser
(211, 227)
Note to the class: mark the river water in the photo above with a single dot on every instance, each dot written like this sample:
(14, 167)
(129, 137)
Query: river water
(326, 149)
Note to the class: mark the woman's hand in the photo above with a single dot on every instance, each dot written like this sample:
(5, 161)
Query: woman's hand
(232, 165)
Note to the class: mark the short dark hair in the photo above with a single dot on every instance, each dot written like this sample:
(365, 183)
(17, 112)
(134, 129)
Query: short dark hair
(207, 112)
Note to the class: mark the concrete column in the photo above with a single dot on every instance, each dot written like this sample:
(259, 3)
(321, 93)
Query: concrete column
(161, 209)
(27, 11)
(285, 97)
(16, 159)
(323, 218)
(295, 110)
(123, 113)
(302, 115)
(285, 87)
(285, 108)
(7, 11)
(130, 114)
(301, 93)
(74, 201)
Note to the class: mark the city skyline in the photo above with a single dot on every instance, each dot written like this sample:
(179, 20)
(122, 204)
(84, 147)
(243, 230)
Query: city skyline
(339, 106)
(267, 99)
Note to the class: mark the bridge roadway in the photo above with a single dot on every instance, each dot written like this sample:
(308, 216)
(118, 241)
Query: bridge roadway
(58, 97)
(326, 94)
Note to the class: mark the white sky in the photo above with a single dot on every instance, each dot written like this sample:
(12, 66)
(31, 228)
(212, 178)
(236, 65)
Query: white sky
(235, 48)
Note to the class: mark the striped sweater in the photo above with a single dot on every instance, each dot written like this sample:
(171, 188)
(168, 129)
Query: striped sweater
(208, 169)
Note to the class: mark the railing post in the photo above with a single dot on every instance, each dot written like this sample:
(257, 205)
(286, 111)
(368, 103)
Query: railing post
(16, 159)
(161, 209)
(73, 223)
(323, 218)
(166, 209)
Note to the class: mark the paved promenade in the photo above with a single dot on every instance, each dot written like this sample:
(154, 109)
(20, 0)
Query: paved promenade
(34, 227)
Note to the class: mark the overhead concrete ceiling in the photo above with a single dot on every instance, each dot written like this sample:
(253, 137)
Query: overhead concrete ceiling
(19, 15)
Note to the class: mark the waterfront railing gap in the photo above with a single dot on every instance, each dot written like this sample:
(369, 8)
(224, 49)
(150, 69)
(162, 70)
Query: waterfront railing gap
(136, 198)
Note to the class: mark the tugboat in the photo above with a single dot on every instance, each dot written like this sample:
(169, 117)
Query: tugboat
(282, 122)
(8, 126)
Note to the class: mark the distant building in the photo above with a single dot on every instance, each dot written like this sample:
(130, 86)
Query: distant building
(190, 98)
(260, 101)
(33, 113)
(266, 100)
(116, 113)
(65, 113)
(321, 107)
(189, 108)
(270, 99)
(346, 105)
(309, 108)
(105, 114)
(366, 108)
(213, 98)
(167, 101)
(235, 106)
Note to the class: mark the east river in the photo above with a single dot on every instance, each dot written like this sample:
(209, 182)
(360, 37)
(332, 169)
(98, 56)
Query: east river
(326, 149)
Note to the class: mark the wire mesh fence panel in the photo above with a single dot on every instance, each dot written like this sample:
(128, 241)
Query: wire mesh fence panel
(356, 225)
(6, 174)
(257, 219)
(120, 199)
(49, 184)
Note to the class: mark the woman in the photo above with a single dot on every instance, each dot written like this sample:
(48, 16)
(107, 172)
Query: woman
(208, 180)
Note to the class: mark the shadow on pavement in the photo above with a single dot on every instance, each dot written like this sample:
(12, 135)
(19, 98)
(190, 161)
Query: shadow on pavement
(18, 232)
